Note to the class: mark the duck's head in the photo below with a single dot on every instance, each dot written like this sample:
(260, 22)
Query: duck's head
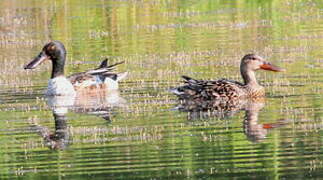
(53, 51)
(252, 62)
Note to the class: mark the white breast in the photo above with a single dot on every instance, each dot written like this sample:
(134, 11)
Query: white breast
(60, 86)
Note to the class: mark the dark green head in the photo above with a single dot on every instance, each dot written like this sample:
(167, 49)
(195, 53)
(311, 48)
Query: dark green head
(53, 51)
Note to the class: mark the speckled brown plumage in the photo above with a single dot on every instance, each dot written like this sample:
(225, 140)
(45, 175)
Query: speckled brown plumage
(223, 90)
(210, 90)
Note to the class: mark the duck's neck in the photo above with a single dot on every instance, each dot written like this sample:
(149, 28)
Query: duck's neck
(58, 66)
(251, 85)
(249, 77)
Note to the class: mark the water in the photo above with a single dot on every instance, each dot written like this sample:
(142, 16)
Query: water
(143, 135)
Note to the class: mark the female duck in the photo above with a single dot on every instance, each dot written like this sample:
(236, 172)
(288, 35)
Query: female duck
(223, 89)
(100, 78)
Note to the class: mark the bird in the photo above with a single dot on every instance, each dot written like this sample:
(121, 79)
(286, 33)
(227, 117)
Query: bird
(99, 79)
(199, 91)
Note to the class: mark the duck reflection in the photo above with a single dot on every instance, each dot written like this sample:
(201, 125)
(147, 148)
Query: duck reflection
(253, 130)
(60, 139)
(100, 104)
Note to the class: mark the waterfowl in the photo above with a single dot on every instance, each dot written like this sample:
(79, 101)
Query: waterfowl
(225, 90)
(101, 78)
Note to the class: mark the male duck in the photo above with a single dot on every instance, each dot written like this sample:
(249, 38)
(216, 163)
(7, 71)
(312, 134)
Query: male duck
(223, 89)
(96, 79)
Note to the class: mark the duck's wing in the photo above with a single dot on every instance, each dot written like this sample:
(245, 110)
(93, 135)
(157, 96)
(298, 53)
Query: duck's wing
(106, 71)
(103, 68)
(97, 76)
(208, 90)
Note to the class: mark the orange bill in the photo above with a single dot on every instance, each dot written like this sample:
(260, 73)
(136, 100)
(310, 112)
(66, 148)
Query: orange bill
(270, 67)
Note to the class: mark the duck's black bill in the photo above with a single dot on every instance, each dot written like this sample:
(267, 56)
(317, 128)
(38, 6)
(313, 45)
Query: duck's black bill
(36, 61)
(270, 67)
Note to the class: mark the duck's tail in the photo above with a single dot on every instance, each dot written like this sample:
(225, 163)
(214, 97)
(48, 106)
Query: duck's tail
(180, 91)
(121, 76)
(177, 91)
(189, 80)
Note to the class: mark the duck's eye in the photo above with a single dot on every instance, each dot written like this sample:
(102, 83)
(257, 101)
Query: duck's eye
(253, 58)
(51, 48)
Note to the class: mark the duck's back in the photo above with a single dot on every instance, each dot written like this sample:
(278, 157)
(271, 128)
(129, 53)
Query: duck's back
(209, 90)
(83, 80)
(99, 78)
(89, 82)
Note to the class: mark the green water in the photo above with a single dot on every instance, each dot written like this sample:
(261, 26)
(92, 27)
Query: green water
(160, 40)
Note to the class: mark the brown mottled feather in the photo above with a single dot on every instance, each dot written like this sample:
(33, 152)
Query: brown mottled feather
(223, 94)
(209, 90)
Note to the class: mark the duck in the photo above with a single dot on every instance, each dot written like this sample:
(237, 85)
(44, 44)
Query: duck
(98, 79)
(227, 90)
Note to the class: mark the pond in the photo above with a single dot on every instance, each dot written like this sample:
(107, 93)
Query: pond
(137, 132)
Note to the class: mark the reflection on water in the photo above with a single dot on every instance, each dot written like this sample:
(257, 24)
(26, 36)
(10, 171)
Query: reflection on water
(60, 139)
(253, 130)
(140, 136)
(98, 103)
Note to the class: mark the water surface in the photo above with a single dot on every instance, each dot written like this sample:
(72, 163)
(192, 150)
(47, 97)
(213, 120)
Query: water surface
(145, 136)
